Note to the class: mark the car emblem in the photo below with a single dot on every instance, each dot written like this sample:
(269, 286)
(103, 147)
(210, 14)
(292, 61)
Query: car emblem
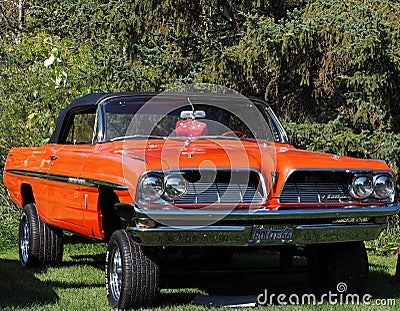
(328, 196)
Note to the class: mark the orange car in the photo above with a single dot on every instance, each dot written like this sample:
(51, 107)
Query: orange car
(186, 178)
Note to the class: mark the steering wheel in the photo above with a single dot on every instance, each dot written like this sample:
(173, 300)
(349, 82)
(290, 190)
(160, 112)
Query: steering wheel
(235, 133)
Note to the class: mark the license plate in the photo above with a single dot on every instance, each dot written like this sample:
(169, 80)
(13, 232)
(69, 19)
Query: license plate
(265, 234)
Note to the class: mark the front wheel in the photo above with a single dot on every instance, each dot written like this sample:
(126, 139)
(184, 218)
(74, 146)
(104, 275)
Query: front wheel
(349, 265)
(339, 265)
(132, 275)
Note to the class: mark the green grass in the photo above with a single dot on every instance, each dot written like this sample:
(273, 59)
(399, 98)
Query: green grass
(79, 284)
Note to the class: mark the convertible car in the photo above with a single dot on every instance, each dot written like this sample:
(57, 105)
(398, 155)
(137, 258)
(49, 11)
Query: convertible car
(189, 180)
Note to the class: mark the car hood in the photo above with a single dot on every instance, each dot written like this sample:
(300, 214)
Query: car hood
(290, 158)
(174, 154)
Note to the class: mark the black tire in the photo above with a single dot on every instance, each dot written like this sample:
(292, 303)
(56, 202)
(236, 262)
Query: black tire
(132, 275)
(39, 243)
(331, 266)
(349, 265)
(318, 264)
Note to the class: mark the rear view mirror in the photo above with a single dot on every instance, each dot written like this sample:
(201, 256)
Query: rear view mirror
(186, 114)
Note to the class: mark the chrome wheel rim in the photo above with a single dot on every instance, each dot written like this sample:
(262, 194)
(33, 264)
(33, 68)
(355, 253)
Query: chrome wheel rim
(24, 242)
(116, 274)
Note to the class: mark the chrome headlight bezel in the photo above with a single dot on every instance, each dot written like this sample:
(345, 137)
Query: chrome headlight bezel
(165, 186)
(388, 182)
(361, 186)
(175, 186)
(151, 187)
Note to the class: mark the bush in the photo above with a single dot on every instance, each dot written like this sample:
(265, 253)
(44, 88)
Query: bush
(9, 215)
(330, 68)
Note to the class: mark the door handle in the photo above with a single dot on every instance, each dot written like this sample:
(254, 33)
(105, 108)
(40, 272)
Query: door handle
(53, 157)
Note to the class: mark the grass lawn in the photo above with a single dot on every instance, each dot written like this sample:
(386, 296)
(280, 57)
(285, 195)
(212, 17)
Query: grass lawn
(79, 285)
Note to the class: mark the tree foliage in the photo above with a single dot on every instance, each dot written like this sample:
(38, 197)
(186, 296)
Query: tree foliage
(329, 68)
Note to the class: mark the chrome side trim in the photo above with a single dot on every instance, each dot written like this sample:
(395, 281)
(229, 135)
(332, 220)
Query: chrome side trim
(88, 182)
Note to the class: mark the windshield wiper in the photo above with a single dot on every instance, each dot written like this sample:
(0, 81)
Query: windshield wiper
(224, 137)
(142, 136)
(138, 136)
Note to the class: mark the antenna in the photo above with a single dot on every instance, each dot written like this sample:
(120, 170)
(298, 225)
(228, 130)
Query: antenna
(191, 104)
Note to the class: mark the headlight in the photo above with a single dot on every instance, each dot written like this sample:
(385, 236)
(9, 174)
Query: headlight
(151, 187)
(383, 186)
(361, 186)
(175, 186)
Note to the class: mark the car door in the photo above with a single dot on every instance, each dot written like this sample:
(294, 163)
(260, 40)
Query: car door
(66, 201)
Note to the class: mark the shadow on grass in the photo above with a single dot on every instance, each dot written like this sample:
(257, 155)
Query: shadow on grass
(379, 283)
(275, 284)
(96, 261)
(231, 286)
(20, 288)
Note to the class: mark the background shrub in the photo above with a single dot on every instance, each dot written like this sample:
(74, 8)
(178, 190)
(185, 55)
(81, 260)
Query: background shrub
(329, 68)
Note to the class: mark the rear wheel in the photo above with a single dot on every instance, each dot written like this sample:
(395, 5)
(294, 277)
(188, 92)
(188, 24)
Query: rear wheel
(132, 275)
(39, 243)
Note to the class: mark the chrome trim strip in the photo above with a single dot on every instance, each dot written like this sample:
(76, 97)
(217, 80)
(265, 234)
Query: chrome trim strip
(283, 135)
(100, 124)
(88, 182)
(139, 158)
(179, 214)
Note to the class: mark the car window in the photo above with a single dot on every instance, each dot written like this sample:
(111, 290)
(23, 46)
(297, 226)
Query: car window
(164, 117)
(81, 129)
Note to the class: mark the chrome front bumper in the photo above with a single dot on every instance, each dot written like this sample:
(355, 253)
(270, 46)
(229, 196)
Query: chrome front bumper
(322, 229)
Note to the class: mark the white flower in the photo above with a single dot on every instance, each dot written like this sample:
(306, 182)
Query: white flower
(58, 81)
(50, 61)
(61, 79)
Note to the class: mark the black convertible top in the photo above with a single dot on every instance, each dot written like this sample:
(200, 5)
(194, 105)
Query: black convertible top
(93, 100)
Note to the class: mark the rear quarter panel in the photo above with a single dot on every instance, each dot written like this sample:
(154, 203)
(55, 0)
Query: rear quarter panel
(26, 160)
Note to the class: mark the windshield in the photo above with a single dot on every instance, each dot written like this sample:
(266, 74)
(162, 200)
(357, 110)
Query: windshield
(182, 117)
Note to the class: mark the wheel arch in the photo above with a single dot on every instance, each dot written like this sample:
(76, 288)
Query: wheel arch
(27, 195)
(110, 221)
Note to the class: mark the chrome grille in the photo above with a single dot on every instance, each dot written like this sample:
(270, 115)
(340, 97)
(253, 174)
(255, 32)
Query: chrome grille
(317, 187)
(315, 193)
(222, 187)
